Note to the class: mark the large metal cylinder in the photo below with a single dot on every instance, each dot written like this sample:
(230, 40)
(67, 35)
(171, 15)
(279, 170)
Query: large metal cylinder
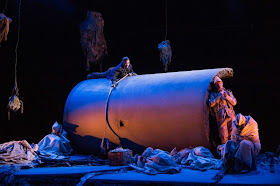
(163, 110)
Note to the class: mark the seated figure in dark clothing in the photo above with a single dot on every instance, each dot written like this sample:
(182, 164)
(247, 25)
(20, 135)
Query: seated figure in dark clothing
(115, 73)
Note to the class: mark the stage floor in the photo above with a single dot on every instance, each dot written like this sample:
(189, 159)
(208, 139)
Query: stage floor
(123, 175)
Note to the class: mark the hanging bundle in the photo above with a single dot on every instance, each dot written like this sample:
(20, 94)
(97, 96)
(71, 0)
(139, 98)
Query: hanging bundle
(15, 103)
(4, 27)
(164, 47)
(165, 53)
(93, 42)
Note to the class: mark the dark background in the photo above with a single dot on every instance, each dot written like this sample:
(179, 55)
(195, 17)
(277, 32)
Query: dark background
(240, 34)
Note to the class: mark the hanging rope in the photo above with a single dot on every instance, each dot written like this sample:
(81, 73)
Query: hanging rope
(106, 111)
(165, 19)
(105, 142)
(105, 145)
(15, 103)
(5, 6)
(164, 46)
(16, 49)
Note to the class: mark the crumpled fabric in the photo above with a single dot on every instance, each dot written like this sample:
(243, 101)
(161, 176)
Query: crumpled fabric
(7, 173)
(4, 27)
(199, 158)
(92, 40)
(16, 155)
(19, 152)
(179, 156)
(202, 159)
(156, 161)
(165, 53)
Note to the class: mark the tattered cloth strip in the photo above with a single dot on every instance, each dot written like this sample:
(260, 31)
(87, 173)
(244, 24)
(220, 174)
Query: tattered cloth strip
(93, 41)
(91, 175)
(165, 53)
(4, 27)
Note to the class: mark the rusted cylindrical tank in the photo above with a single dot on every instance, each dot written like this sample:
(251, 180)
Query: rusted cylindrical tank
(163, 110)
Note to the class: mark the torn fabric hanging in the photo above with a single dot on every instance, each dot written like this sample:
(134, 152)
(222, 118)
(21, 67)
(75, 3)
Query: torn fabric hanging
(15, 103)
(93, 42)
(165, 53)
(4, 27)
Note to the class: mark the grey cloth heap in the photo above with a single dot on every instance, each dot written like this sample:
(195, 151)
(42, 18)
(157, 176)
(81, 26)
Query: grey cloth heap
(157, 161)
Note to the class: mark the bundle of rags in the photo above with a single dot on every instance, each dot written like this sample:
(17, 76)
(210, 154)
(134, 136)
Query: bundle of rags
(93, 41)
(165, 53)
(4, 27)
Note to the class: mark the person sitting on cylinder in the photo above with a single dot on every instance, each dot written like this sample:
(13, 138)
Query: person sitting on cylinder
(239, 153)
(222, 102)
(115, 73)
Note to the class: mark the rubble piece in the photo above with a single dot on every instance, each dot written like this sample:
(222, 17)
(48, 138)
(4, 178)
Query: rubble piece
(120, 157)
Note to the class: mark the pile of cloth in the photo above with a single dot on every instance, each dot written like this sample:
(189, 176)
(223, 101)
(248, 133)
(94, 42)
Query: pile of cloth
(199, 158)
(16, 155)
(54, 146)
(20, 152)
(156, 161)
